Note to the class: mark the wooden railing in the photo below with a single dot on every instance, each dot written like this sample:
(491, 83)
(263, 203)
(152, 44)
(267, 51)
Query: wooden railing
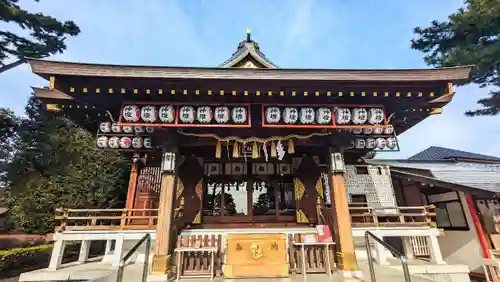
(112, 219)
(106, 219)
(363, 216)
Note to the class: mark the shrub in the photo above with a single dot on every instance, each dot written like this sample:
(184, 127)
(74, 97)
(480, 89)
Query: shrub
(21, 257)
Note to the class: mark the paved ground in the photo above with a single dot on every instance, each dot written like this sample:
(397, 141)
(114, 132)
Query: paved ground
(133, 273)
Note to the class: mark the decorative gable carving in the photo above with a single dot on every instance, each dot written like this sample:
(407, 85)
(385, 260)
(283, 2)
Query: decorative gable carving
(249, 65)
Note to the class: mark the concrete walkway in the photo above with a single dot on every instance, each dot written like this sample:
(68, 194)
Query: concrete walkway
(102, 272)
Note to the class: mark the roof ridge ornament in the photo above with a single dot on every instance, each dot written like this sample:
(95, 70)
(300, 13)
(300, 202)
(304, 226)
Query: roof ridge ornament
(249, 34)
(248, 55)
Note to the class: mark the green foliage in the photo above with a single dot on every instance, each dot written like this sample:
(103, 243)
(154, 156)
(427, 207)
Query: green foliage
(8, 135)
(471, 36)
(55, 164)
(19, 257)
(46, 34)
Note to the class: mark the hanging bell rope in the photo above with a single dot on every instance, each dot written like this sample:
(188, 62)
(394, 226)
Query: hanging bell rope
(236, 153)
(255, 140)
(291, 147)
(218, 150)
(255, 151)
(273, 149)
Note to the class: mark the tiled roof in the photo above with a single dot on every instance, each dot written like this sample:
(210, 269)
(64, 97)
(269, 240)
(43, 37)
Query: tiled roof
(475, 175)
(45, 67)
(439, 153)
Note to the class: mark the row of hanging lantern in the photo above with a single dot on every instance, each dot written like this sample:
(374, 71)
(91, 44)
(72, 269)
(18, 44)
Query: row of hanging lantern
(380, 143)
(124, 142)
(107, 136)
(186, 114)
(324, 115)
(389, 130)
(108, 127)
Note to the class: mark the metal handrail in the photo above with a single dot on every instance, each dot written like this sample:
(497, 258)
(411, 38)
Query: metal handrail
(402, 257)
(147, 238)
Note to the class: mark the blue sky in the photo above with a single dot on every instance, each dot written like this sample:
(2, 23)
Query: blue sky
(293, 34)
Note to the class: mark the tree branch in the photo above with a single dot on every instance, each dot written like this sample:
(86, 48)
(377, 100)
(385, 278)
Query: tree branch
(12, 65)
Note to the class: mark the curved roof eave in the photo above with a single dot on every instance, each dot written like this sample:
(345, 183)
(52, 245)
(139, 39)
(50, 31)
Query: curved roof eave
(46, 68)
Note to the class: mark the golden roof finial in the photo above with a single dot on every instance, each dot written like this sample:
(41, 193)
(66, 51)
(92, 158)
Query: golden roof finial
(249, 32)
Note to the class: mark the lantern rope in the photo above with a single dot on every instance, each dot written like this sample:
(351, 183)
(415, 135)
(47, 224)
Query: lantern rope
(254, 139)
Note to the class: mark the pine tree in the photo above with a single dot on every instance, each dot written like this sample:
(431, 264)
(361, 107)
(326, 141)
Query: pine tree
(55, 164)
(8, 135)
(46, 37)
(471, 36)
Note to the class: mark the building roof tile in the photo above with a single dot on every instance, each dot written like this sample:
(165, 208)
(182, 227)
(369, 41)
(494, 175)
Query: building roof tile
(439, 153)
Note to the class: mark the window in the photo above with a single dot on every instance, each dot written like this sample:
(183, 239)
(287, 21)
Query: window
(361, 170)
(235, 199)
(263, 199)
(268, 198)
(449, 213)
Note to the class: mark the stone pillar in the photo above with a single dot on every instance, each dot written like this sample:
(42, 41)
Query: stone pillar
(161, 256)
(435, 250)
(118, 254)
(348, 262)
(132, 183)
(408, 247)
(57, 254)
(83, 256)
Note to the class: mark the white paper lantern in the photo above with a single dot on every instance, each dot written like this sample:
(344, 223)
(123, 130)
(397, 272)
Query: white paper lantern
(186, 114)
(324, 115)
(125, 142)
(131, 113)
(307, 115)
(360, 143)
(381, 143)
(367, 130)
(389, 129)
(378, 130)
(273, 115)
(116, 128)
(102, 142)
(166, 114)
(357, 131)
(204, 114)
(376, 116)
(150, 129)
(370, 143)
(137, 142)
(239, 114)
(128, 129)
(359, 115)
(290, 115)
(148, 143)
(391, 143)
(105, 127)
(139, 129)
(221, 114)
(114, 142)
(149, 114)
(342, 115)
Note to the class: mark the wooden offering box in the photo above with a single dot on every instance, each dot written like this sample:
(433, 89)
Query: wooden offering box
(256, 255)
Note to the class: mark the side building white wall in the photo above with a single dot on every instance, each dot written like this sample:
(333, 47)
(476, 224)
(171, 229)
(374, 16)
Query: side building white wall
(462, 247)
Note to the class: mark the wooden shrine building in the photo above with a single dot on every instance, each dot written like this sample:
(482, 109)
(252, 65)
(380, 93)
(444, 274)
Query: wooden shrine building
(247, 150)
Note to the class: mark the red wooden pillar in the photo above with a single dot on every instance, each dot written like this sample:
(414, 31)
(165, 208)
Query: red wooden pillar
(483, 241)
(132, 183)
